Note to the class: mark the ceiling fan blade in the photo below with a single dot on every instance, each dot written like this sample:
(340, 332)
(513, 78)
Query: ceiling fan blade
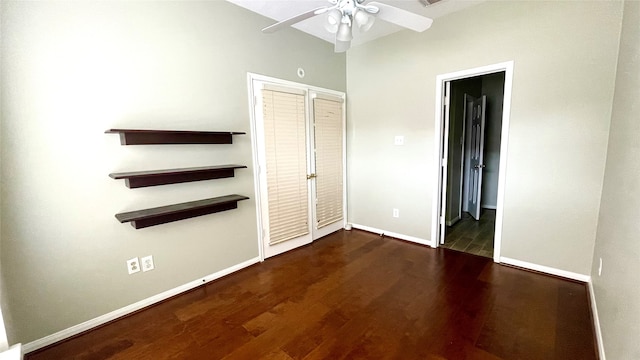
(342, 46)
(402, 17)
(296, 19)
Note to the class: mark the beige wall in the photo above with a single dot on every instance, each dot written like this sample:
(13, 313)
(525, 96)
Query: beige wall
(616, 290)
(70, 71)
(565, 56)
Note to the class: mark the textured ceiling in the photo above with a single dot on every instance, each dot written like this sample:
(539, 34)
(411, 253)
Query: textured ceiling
(283, 9)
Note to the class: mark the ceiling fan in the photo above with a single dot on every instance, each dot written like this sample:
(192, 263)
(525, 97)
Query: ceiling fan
(342, 14)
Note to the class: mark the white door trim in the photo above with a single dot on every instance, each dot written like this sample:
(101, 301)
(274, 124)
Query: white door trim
(446, 104)
(4, 344)
(441, 80)
(253, 80)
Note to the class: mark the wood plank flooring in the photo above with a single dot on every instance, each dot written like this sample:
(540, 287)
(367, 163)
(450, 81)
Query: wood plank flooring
(356, 295)
(472, 236)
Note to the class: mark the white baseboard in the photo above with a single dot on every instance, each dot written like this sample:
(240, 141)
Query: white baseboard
(393, 234)
(489, 207)
(13, 353)
(596, 320)
(545, 269)
(103, 319)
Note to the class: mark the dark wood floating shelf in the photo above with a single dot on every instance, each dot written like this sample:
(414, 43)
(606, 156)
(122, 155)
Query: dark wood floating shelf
(174, 176)
(150, 137)
(160, 215)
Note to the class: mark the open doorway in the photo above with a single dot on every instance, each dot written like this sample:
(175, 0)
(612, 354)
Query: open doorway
(475, 123)
(472, 122)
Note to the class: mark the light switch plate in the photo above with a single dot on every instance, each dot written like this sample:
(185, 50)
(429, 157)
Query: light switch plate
(147, 263)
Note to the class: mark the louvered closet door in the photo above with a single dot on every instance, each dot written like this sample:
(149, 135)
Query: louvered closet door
(329, 181)
(300, 154)
(287, 218)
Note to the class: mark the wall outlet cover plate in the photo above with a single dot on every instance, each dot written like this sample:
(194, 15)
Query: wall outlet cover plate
(133, 265)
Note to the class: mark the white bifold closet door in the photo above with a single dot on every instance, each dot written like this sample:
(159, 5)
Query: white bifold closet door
(286, 166)
(301, 160)
(329, 180)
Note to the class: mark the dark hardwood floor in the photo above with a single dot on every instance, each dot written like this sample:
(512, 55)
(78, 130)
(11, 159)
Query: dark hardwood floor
(356, 295)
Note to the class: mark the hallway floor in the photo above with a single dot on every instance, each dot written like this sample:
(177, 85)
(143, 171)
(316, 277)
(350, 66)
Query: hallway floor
(471, 236)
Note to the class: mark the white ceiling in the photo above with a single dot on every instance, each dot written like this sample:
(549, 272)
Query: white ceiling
(284, 9)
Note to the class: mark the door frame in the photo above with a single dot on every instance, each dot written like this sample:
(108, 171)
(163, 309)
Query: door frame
(255, 79)
(441, 143)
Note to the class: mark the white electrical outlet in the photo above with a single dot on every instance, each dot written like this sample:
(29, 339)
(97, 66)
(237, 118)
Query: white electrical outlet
(133, 265)
(396, 213)
(147, 263)
(399, 140)
(600, 268)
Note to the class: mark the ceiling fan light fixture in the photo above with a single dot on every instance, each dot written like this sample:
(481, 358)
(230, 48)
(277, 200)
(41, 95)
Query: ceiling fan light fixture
(364, 20)
(344, 32)
(343, 14)
(334, 17)
(428, 2)
(342, 46)
(371, 9)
